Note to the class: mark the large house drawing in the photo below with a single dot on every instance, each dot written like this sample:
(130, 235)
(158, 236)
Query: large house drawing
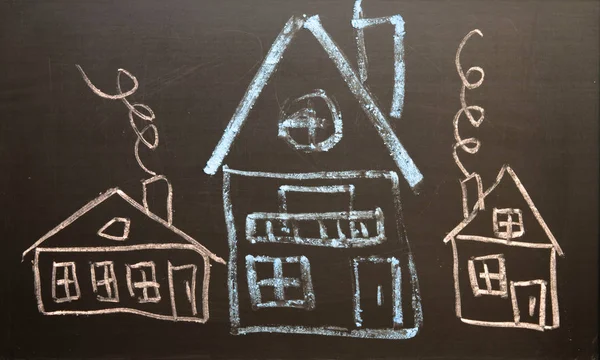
(317, 252)
(505, 259)
(116, 256)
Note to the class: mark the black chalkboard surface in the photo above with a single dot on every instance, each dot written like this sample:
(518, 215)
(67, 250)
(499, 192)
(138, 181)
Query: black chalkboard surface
(299, 179)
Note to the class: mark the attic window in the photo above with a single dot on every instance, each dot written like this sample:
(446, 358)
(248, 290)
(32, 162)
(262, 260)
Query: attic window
(508, 223)
(303, 126)
(116, 229)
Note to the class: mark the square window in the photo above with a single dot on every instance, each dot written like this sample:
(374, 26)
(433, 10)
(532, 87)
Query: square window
(146, 271)
(104, 281)
(508, 223)
(65, 287)
(485, 279)
(286, 288)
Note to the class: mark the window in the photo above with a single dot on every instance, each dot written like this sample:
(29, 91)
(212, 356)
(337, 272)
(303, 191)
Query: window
(120, 228)
(288, 292)
(305, 129)
(65, 287)
(104, 281)
(149, 288)
(488, 275)
(508, 223)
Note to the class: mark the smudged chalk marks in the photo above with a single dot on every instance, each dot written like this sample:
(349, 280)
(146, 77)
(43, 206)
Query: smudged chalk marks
(507, 224)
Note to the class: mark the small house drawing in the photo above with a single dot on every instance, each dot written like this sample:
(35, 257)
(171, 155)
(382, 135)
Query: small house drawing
(116, 256)
(318, 252)
(504, 259)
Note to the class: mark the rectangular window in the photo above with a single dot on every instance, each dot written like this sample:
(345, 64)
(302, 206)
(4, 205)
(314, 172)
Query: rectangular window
(508, 223)
(279, 290)
(488, 275)
(65, 287)
(104, 281)
(145, 280)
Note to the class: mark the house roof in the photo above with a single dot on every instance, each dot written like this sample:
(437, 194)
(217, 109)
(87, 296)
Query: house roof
(92, 204)
(501, 175)
(313, 24)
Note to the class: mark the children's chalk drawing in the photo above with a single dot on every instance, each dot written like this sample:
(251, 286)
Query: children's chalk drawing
(492, 249)
(276, 282)
(133, 251)
(294, 283)
(313, 24)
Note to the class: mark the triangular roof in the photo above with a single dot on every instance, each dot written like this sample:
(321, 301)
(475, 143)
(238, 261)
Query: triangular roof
(94, 203)
(313, 24)
(501, 175)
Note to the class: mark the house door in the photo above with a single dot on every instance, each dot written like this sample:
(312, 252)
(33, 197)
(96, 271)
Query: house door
(377, 297)
(529, 303)
(183, 290)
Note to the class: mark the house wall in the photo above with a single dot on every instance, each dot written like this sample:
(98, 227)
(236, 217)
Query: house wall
(522, 264)
(88, 299)
(331, 268)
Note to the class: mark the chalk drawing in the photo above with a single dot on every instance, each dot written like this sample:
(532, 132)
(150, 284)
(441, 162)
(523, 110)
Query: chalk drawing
(283, 227)
(507, 229)
(366, 229)
(144, 279)
(360, 24)
(108, 282)
(306, 118)
(313, 24)
(141, 277)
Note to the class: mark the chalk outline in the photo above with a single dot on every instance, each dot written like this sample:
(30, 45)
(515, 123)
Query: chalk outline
(108, 281)
(193, 245)
(191, 291)
(232, 272)
(65, 282)
(509, 234)
(144, 284)
(360, 23)
(515, 305)
(279, 283)
(405, 163)
(398, 317)
(500, 276)
(126, 227)
(553, 246)
(285, 123)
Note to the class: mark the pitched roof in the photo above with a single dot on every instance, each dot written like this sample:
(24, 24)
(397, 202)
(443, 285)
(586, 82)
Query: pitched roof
(407, 167)
(507, 169)
(92, 204)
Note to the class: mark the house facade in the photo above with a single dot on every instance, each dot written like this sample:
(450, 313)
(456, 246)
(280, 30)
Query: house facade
(115, 256)
(505, 260)
(317, 243)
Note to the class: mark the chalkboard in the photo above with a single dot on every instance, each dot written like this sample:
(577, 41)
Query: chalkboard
(299, 179)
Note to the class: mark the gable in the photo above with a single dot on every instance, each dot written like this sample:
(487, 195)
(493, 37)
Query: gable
(507, 193)
(338, 77)
(87, 227)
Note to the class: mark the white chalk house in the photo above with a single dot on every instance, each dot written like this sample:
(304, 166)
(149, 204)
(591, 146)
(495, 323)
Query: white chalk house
(505, 260)
(116, 256)
(312, 172)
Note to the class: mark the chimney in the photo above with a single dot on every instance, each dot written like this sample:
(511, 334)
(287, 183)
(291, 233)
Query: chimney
(472, 186)
(162, 198)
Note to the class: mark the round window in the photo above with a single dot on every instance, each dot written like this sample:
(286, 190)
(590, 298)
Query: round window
(306, 126)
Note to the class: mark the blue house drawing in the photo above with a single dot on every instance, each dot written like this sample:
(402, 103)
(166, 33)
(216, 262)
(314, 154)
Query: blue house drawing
(318, 252)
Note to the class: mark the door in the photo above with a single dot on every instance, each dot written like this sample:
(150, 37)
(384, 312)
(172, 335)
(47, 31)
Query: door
(183, 290)
(377, 297)
(529, 303)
